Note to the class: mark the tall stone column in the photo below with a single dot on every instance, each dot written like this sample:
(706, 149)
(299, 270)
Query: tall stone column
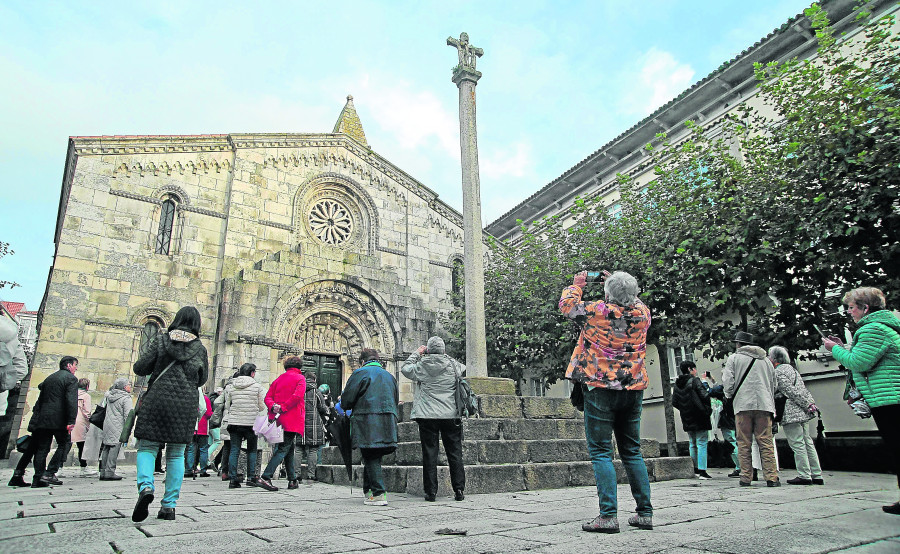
(466, 77)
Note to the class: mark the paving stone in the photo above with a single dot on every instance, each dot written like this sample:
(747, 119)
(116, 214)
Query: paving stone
(21, 528)
(233, 542)
(51, 544)
(219, 521)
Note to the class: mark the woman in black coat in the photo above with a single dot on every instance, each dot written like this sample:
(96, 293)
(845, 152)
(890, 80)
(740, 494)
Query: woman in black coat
(692, 400)
(177, 365)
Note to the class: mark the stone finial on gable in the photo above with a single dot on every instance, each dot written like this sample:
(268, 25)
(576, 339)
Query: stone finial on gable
(349, 124)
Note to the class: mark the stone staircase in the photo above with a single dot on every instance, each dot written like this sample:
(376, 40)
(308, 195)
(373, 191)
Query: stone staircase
(515, 444)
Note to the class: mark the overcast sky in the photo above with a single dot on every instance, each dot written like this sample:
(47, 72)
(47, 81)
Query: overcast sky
(561, 78)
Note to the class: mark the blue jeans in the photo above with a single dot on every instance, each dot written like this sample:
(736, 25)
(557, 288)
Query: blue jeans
(239, 433)
(731, 438)
(201, 442)
(697, 448)
(606, 412)
(283, 451)
(146, 461)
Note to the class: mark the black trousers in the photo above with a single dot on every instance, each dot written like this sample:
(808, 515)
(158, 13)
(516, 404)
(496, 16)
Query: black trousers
(451, 433)
(39, 449)
(887, 419)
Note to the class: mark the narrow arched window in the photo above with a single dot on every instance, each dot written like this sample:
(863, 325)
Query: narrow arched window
(148, 333)
(459, 278)
(166, 224)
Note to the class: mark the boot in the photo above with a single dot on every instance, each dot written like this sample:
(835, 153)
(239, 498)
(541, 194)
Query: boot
(18, 480)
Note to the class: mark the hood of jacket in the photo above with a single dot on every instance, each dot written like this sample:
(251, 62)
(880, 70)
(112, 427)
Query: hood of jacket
(243, 381)
(435, 364)
(683, 380)
(753, 351)
(885, 317)
(115, 395)
(180, 349)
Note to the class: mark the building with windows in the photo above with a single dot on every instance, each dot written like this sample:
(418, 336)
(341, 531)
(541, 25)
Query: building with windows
(286, 243)
(706, 102)
(27, 321)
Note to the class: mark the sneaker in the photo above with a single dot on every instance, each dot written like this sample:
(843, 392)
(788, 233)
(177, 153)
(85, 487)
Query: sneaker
(51, 479)
(799, 481)
(818, 481)
(18, 481)
(775, 483)
(642, 522)
(264, 483)
(293, 484)
(696, 471)
(203, 474)
(380, 500)
(143, 502)
(703, 475)
(89, 472)
(166, 513)
(892, 509)
(459, 496)
(735, 473)
(601, 525)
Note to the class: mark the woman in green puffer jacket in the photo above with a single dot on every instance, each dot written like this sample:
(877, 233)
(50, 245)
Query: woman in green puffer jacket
(874, 363)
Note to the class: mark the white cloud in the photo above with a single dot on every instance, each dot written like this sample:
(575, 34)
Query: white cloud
(658, 78)
(516, 161)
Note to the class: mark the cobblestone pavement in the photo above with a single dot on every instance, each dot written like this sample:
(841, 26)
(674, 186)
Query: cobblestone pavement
(86, 515)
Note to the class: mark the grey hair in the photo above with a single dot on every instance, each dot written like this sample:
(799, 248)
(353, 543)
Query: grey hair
(621, 288)
(779, 355)
(120, 383)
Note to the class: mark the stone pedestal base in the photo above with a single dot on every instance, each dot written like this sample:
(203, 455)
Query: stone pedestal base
(492, 385)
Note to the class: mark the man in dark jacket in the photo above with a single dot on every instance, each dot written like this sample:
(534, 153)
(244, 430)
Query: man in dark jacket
(53, 417)
(371, 392)
(692, 401)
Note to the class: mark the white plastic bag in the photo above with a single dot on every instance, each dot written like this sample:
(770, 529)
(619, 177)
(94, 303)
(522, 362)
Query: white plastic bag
(270, 430)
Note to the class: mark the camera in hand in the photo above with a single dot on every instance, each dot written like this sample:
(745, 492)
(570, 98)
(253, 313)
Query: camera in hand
(593, 276)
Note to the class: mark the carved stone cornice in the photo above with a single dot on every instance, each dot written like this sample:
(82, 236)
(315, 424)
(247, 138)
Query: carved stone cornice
(112, 324)
(203, 211)
(391, 250)
(150, 144)
(442, 264)
(193, 167)
(133, 196)
(276, 225)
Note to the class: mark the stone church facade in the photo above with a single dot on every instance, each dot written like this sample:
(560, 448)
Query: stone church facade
(286, 243)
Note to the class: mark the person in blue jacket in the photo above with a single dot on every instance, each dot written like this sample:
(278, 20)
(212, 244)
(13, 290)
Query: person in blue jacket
(372, 394)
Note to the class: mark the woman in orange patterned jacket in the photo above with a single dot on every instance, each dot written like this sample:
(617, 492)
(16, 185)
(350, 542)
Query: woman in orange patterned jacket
(608, 362)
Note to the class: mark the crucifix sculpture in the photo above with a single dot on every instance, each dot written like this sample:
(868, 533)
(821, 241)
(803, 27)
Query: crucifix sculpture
(466, 77)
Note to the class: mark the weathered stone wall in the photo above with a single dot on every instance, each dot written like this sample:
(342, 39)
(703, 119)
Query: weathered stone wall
(242, 236)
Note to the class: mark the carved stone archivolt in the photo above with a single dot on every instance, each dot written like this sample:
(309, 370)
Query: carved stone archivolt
(334, 317)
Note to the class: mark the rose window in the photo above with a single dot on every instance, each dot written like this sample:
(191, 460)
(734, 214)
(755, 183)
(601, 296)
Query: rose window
(330, 221)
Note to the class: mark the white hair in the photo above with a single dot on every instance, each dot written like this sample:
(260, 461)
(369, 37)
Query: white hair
(621, 288)
(779, 354)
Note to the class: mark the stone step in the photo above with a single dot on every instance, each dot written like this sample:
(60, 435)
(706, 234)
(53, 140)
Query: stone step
(489, 452)
(484, 429)
(511, 406)
(490, 478)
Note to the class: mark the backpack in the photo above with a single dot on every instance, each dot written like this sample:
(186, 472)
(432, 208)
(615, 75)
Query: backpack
(218, 413)
(466, 401)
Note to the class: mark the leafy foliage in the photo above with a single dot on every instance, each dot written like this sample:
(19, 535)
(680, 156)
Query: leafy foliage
(755, 222)
(4, 251)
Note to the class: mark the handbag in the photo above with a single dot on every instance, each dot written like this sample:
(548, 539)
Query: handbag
(22, 443)
(465, 398)
(781, 403)
(99, 416)
(728, 405)
(272, 431)
(130, 419)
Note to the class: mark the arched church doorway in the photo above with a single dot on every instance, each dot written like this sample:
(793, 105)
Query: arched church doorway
(329, 370)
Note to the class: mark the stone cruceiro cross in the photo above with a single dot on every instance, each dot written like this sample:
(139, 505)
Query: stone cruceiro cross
(466, 77)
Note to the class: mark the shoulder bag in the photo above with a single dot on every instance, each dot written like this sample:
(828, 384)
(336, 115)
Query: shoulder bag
(728, 405)
(781, 402)
(99, 416)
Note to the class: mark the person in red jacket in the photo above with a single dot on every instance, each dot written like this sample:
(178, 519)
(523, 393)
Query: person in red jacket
(285, 400)
(201, 443)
